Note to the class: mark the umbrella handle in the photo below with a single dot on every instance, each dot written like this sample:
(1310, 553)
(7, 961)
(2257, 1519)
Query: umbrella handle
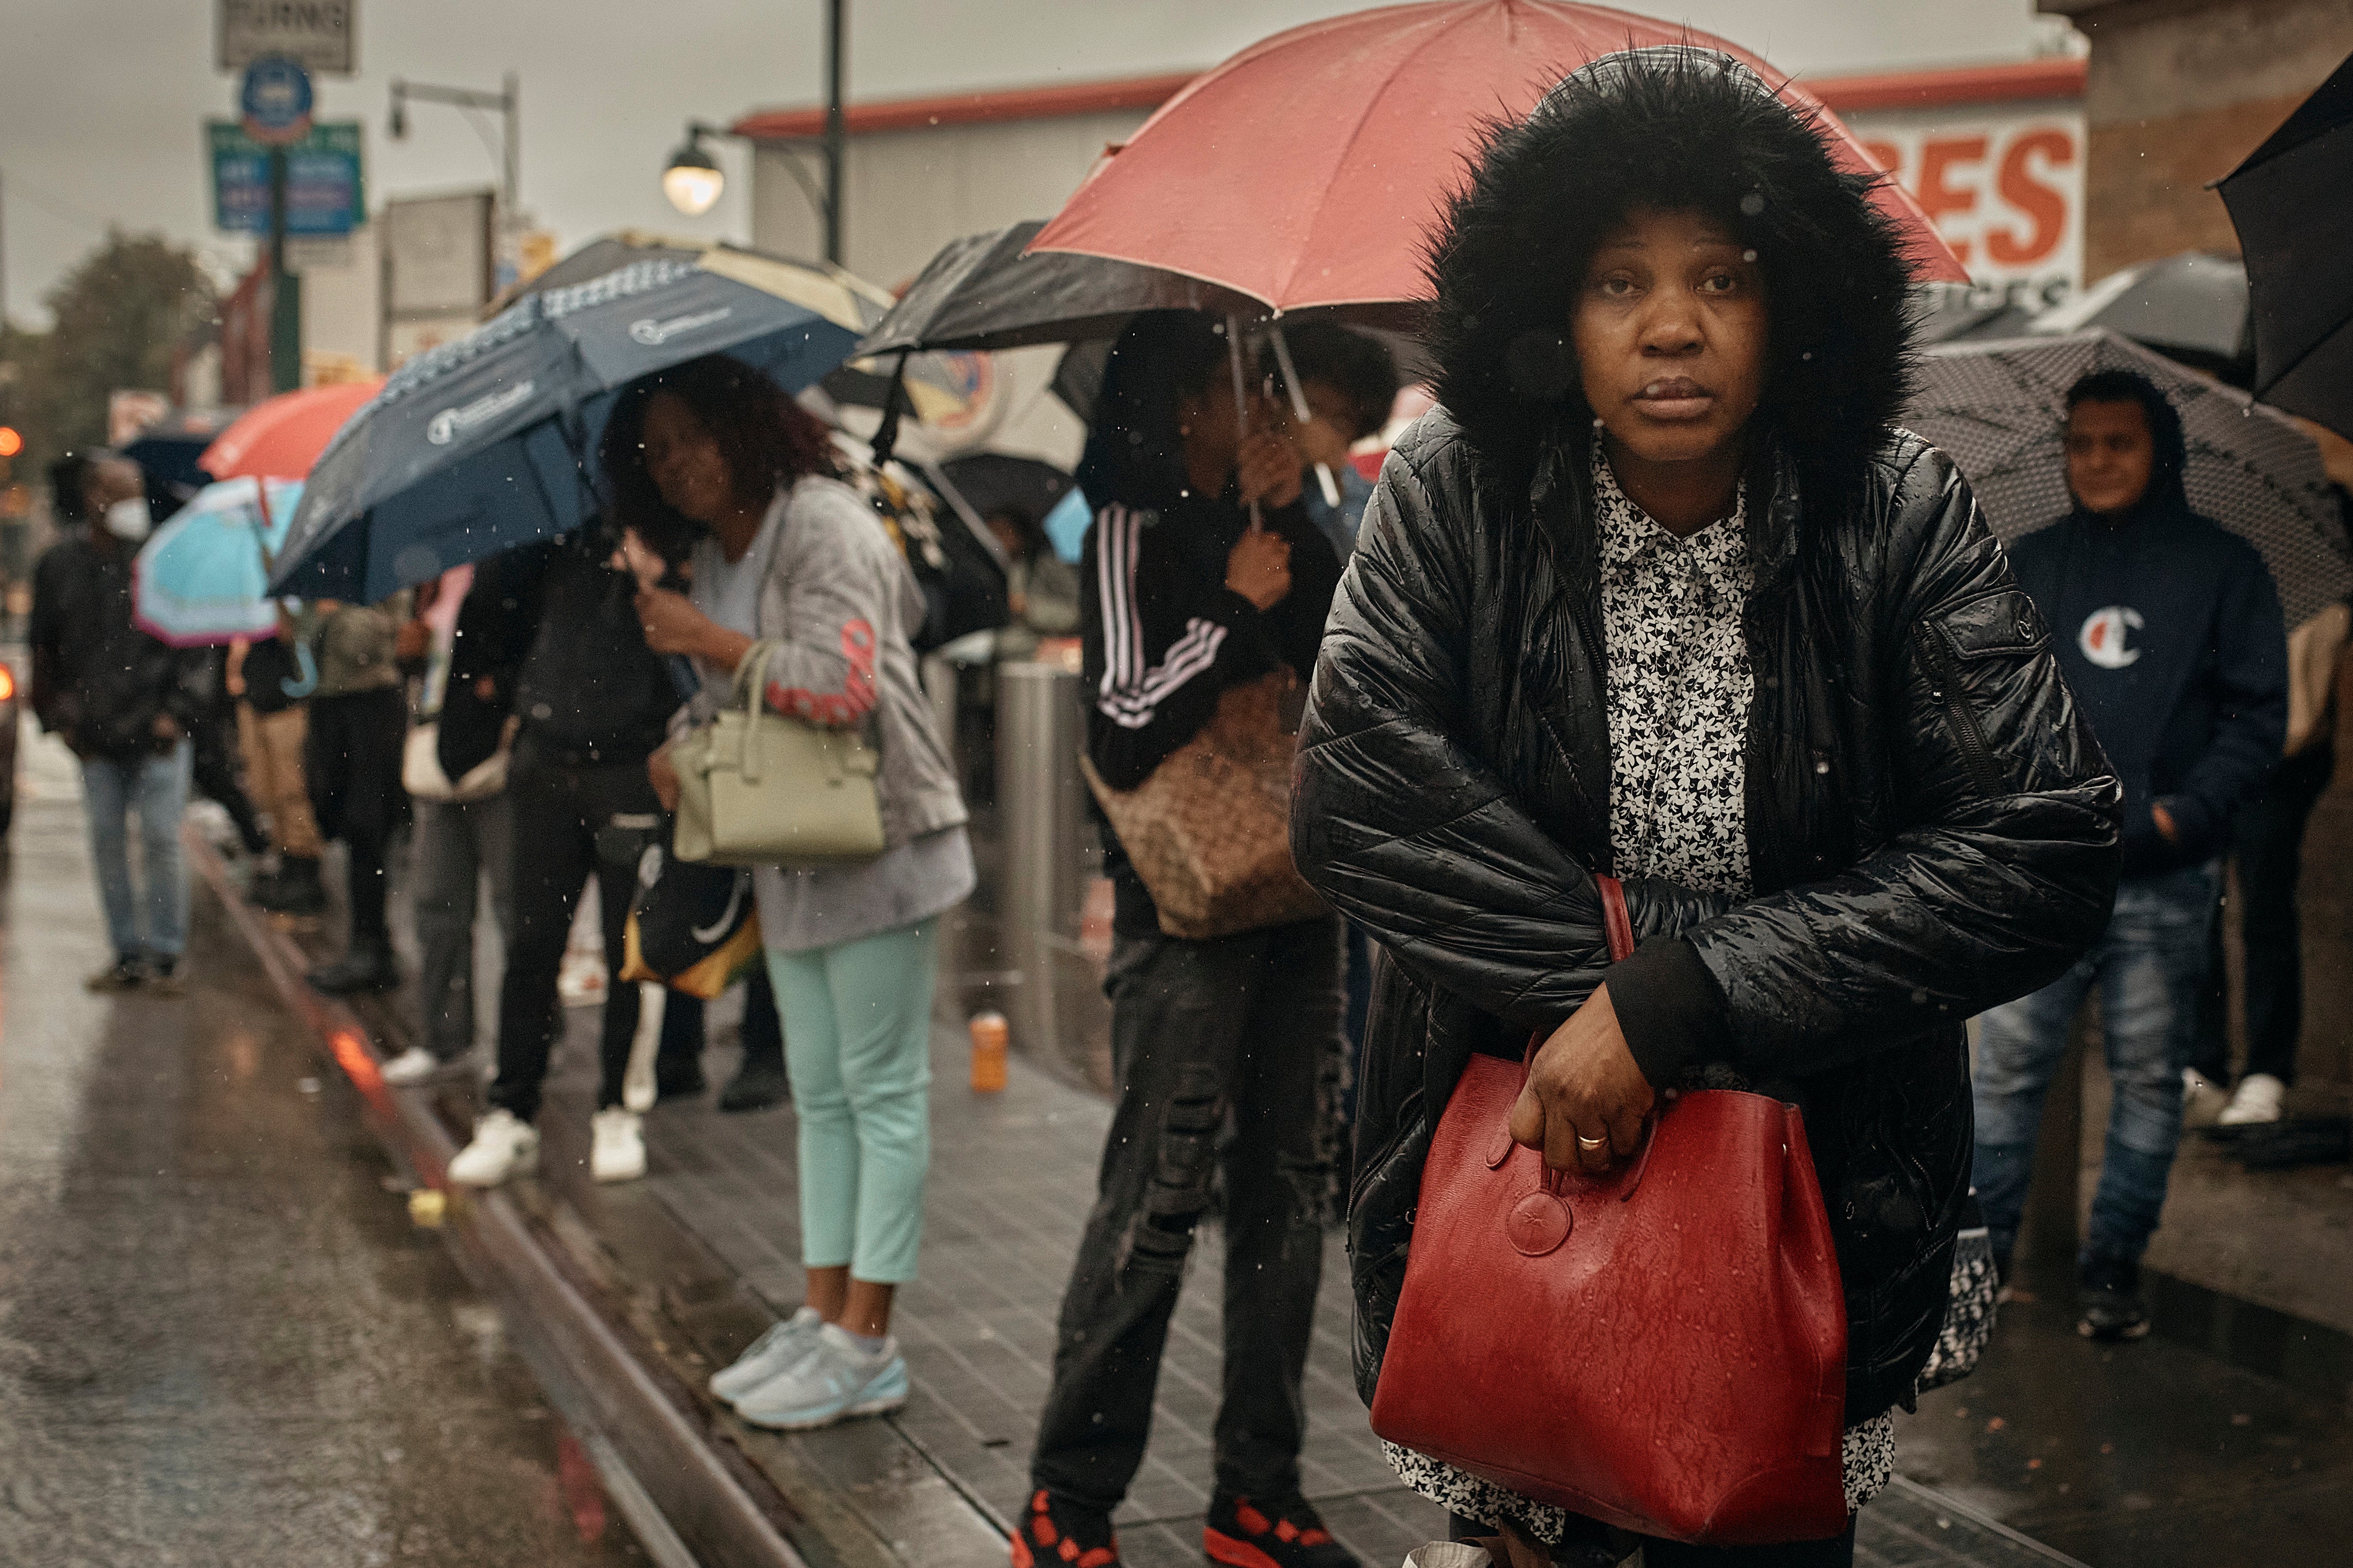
(1299, 407)
(1241, 397)
(262, 505)
(894, 404)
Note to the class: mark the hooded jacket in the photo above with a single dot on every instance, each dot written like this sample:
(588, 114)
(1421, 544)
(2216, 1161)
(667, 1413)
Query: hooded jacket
(99, 680)
(1931, 826)
(2170, 632)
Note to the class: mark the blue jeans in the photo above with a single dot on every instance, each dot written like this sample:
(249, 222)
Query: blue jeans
(2150, 965)
(157, 787)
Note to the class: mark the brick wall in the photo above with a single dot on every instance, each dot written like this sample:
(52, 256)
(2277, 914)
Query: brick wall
(2176, 93)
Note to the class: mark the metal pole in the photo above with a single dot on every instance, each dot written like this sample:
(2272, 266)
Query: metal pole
(833, 130)
(285, 288)
(510, 179)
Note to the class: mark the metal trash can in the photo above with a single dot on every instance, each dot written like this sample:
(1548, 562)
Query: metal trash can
(1057, 1010)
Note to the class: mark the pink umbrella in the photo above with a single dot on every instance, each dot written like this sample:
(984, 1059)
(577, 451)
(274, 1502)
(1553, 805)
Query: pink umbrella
(1304, 170)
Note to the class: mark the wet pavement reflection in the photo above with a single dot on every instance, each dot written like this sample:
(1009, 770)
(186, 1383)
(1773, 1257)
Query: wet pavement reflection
(221, 1339)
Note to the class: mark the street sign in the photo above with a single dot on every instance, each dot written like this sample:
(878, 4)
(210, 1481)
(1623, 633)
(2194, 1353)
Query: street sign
(325, 191)
(316, 34)
(275, 102)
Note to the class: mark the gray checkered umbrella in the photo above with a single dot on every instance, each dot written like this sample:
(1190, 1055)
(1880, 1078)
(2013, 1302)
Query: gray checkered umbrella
(1998, 409)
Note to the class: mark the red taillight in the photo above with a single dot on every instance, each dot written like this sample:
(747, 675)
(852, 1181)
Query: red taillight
(8, 683)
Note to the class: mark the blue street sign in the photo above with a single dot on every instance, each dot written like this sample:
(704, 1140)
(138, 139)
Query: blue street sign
(325, 191)
(274, 99)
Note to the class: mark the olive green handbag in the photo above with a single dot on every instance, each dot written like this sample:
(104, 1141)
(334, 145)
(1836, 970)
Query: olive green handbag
(756, 788)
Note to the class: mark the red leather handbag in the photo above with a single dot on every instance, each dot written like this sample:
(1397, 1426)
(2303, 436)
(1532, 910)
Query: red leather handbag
(1662, 1348)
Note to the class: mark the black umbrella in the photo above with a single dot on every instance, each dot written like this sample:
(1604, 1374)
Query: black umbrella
(2191, 307)
(2289, 202)
(993, 481)
(981, 292)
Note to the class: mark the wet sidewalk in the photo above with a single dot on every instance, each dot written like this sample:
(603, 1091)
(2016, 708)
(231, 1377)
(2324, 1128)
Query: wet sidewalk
(2144, 1455)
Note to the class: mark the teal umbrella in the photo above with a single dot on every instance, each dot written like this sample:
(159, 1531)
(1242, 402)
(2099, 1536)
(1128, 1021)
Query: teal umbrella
(203, 577)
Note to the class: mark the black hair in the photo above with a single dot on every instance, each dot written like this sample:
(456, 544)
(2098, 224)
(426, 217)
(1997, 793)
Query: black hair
(1680, 128)
(1357, 366)
(1136, 453)
(767, 440)
(2170, 450)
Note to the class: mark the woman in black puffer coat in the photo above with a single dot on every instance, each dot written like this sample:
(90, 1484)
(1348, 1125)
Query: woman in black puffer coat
(1660, 591)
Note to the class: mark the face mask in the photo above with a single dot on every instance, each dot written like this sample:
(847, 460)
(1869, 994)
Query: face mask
(130, 519)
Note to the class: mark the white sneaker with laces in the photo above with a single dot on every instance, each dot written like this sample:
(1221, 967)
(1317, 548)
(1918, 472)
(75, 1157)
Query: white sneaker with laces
(504, 1146)
(2256, 1101)
(2202, 1098)
(616, 1150)
(839, 1378)
(776, 1350)
(412, 1066)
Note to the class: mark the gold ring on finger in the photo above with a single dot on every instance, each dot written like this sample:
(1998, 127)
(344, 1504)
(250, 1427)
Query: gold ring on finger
(1585, 1142)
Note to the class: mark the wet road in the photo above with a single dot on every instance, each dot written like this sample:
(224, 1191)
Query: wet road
(221, 1340)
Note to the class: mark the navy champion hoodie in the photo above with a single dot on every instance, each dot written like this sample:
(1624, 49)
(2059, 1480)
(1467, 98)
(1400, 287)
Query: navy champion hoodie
(2169, 631)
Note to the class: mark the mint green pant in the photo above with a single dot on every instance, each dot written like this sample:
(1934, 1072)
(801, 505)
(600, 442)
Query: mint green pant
(858, 1024)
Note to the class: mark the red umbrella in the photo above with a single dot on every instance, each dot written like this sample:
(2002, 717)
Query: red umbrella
(279, 438)
(1305, 170)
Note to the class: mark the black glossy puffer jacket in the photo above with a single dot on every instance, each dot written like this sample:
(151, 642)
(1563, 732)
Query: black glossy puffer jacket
(1931, 826)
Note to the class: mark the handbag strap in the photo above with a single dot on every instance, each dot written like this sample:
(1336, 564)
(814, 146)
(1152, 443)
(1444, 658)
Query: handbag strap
(1618, 930)
(1616, 925)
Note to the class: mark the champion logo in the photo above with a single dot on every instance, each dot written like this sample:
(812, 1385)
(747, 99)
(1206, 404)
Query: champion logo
(2106, 634)
(451, 423)
(653, 333)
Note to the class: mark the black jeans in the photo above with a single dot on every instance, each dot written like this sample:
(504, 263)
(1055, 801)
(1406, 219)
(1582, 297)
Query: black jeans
(1598, 1546)
(1217, 1046)
(2267, 840)
(575, 817)
(352, 764)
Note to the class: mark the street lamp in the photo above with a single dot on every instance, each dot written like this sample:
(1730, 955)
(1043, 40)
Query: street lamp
(508, 102)
(693, 180)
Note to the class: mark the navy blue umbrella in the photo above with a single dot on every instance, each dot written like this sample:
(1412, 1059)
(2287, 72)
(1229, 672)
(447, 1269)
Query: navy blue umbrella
(481, 445)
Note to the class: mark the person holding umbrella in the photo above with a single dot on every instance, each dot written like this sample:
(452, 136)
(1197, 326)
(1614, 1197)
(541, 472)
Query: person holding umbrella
(1660, 592)
(788, 557)
(1205, 574)
(2170, 634)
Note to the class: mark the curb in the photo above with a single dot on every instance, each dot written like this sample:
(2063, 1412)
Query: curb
(688, 1504)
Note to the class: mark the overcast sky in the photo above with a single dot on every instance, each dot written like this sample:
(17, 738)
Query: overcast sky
(102, 101)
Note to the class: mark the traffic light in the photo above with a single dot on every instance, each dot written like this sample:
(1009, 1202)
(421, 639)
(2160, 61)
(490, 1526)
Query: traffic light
(11, 443)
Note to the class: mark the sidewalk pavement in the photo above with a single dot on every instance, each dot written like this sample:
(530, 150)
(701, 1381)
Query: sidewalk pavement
(701, 1255)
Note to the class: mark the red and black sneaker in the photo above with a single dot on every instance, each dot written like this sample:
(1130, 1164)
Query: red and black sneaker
(1248, 1534)
(1060, 1533)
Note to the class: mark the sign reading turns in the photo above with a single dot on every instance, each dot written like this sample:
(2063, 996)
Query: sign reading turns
(315, 34)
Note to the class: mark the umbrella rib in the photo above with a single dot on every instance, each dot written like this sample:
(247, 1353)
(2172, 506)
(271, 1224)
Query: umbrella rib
(1372, 101)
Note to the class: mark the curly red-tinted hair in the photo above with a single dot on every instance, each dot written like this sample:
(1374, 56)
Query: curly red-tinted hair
(766, 439)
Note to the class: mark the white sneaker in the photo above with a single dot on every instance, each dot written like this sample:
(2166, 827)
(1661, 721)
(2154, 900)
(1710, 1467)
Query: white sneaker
(504, 1146)
(2257, 1101)
(839, 1378)
(616, 1150)
(413, 1066)
(779, 1350)
(2202, 1098)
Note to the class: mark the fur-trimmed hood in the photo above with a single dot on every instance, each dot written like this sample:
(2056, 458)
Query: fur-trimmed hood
(1679, 127)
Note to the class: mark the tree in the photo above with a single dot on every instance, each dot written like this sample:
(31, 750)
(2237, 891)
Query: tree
(118, 318)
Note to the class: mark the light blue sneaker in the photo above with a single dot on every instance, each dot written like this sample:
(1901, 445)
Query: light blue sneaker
(839, 1378)
(780, 1348)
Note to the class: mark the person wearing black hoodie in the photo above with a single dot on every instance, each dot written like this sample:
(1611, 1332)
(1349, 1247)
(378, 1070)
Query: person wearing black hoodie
(2170, 632)
(1185, 596)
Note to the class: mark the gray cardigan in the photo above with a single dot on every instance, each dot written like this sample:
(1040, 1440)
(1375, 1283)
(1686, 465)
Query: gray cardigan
(840, 596)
